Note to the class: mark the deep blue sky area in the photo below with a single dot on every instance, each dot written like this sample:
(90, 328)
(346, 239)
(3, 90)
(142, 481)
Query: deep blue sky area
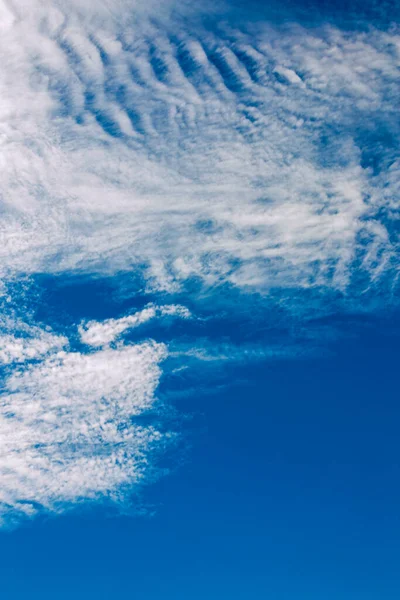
(290, 489)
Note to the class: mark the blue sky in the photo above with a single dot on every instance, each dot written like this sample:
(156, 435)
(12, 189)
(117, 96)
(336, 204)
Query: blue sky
(199, 299)
(290, 489)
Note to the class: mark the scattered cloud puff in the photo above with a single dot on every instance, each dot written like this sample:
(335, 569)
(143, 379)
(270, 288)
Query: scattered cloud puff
(18, 349)
(67, 433)
(96, 333)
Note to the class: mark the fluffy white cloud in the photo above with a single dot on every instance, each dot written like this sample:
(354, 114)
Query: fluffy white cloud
(20, 349)
(67, 418)
(66, 430)
(96, 333)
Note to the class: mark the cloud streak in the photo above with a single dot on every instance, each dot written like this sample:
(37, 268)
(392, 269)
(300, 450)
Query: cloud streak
(98, 334)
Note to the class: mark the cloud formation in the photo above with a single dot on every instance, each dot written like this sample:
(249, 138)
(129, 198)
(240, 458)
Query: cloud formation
(188, 150)
(98, 334)
(185, 151)
(18, 349)
(67, 430)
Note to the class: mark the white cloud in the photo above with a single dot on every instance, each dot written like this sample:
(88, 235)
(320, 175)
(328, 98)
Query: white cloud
(20, 349)
(66, 428)
(289, 75)
(220, 172)
(94, 333)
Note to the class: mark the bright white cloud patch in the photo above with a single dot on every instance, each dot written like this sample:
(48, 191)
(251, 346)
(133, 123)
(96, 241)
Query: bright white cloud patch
(21, 348)
(66, 430)
(94, 333)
